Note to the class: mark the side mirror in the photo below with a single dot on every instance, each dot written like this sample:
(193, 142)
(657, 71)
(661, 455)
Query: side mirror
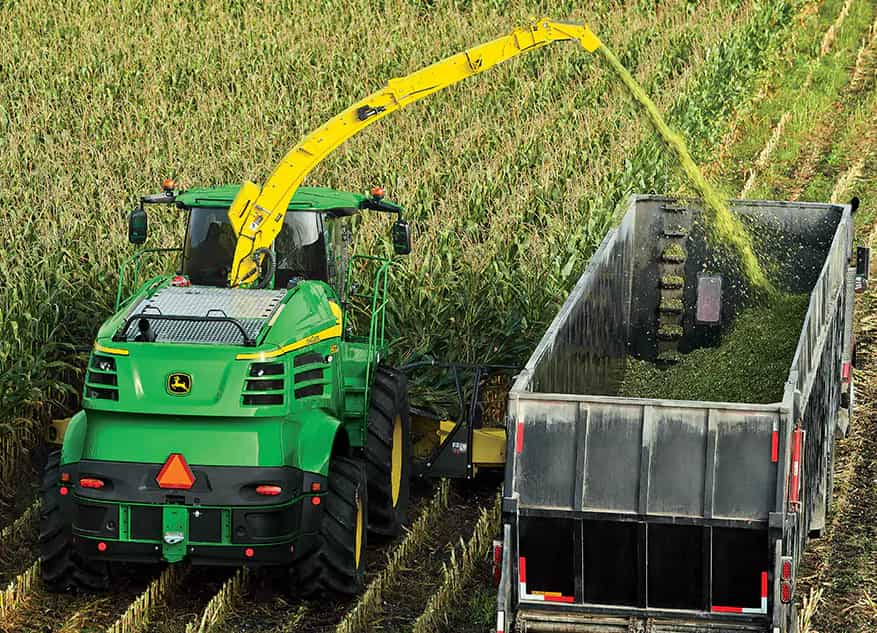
(137, 224)
(401, 237)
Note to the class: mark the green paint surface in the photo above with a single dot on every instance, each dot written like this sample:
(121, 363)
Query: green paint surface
(304, 199)
(175, 522)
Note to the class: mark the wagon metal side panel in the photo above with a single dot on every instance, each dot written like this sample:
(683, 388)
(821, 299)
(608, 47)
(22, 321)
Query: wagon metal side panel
(584, 348)
(644, 457)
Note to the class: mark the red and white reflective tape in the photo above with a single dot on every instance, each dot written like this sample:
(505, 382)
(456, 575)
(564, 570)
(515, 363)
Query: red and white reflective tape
(542, 596)
(845, 372)
(522, 576)
(762, 610)
(519, 437)
(795, 476)
(775, 444)
(500, 622)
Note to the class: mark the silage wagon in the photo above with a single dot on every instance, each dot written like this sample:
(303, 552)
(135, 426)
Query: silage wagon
(649, 514)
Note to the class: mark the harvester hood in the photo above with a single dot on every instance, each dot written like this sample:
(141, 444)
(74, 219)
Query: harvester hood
(207, 347)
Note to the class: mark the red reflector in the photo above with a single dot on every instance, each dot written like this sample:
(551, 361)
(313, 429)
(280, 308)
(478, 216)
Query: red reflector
(64, 490)
(497, 562)
(175, 473)
(569, 599)
(786, 592)
(101, 547)
(88, 482)
(316, 501)
(787, 570)
(269, 490)
(716, 609)
(775, 447)
(519, 437)
(845, 372)
(315, 486)
(249, 552)
(65, 476)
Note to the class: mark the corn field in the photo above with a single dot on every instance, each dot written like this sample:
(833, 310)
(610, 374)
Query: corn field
(510, 180)
(513, 180)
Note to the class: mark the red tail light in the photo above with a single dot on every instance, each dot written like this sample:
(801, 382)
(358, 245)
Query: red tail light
(786, 592)
(786, 569)
(269, 491)
(89, 482)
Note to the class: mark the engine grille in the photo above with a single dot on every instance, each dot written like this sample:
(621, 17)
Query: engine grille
(250, 308)
(171, 331)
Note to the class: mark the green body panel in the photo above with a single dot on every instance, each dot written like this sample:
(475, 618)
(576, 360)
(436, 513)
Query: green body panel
(305, 198)
(74, 439)
(302, 441)
(175, 520)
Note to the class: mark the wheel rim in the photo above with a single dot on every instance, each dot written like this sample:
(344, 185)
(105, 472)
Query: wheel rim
(358, 544)
(396, 463)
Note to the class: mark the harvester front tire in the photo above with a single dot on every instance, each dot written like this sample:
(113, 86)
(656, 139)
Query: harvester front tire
(336, 564)
(388, 453)
(61, 568)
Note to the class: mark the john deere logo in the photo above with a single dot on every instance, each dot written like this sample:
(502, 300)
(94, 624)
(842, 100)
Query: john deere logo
(179, 384)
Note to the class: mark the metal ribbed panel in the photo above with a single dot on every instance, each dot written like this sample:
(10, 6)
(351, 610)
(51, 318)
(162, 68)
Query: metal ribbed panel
(169, 331)
(209, 301)
(250, 308)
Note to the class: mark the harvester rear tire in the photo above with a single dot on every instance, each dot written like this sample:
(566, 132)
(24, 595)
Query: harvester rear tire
(388, 453)
(61, 568)
(336, 564)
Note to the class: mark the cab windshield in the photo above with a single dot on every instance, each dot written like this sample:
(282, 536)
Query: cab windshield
(300, 248)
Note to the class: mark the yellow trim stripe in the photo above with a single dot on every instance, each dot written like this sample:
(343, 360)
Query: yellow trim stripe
(329, 332)
(118, 351)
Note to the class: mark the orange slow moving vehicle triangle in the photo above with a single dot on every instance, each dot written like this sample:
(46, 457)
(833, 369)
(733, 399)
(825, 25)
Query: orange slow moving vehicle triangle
(175, 473)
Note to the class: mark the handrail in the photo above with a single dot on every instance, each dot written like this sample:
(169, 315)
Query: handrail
(122, 333)
(378, 317)
(136, 259)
